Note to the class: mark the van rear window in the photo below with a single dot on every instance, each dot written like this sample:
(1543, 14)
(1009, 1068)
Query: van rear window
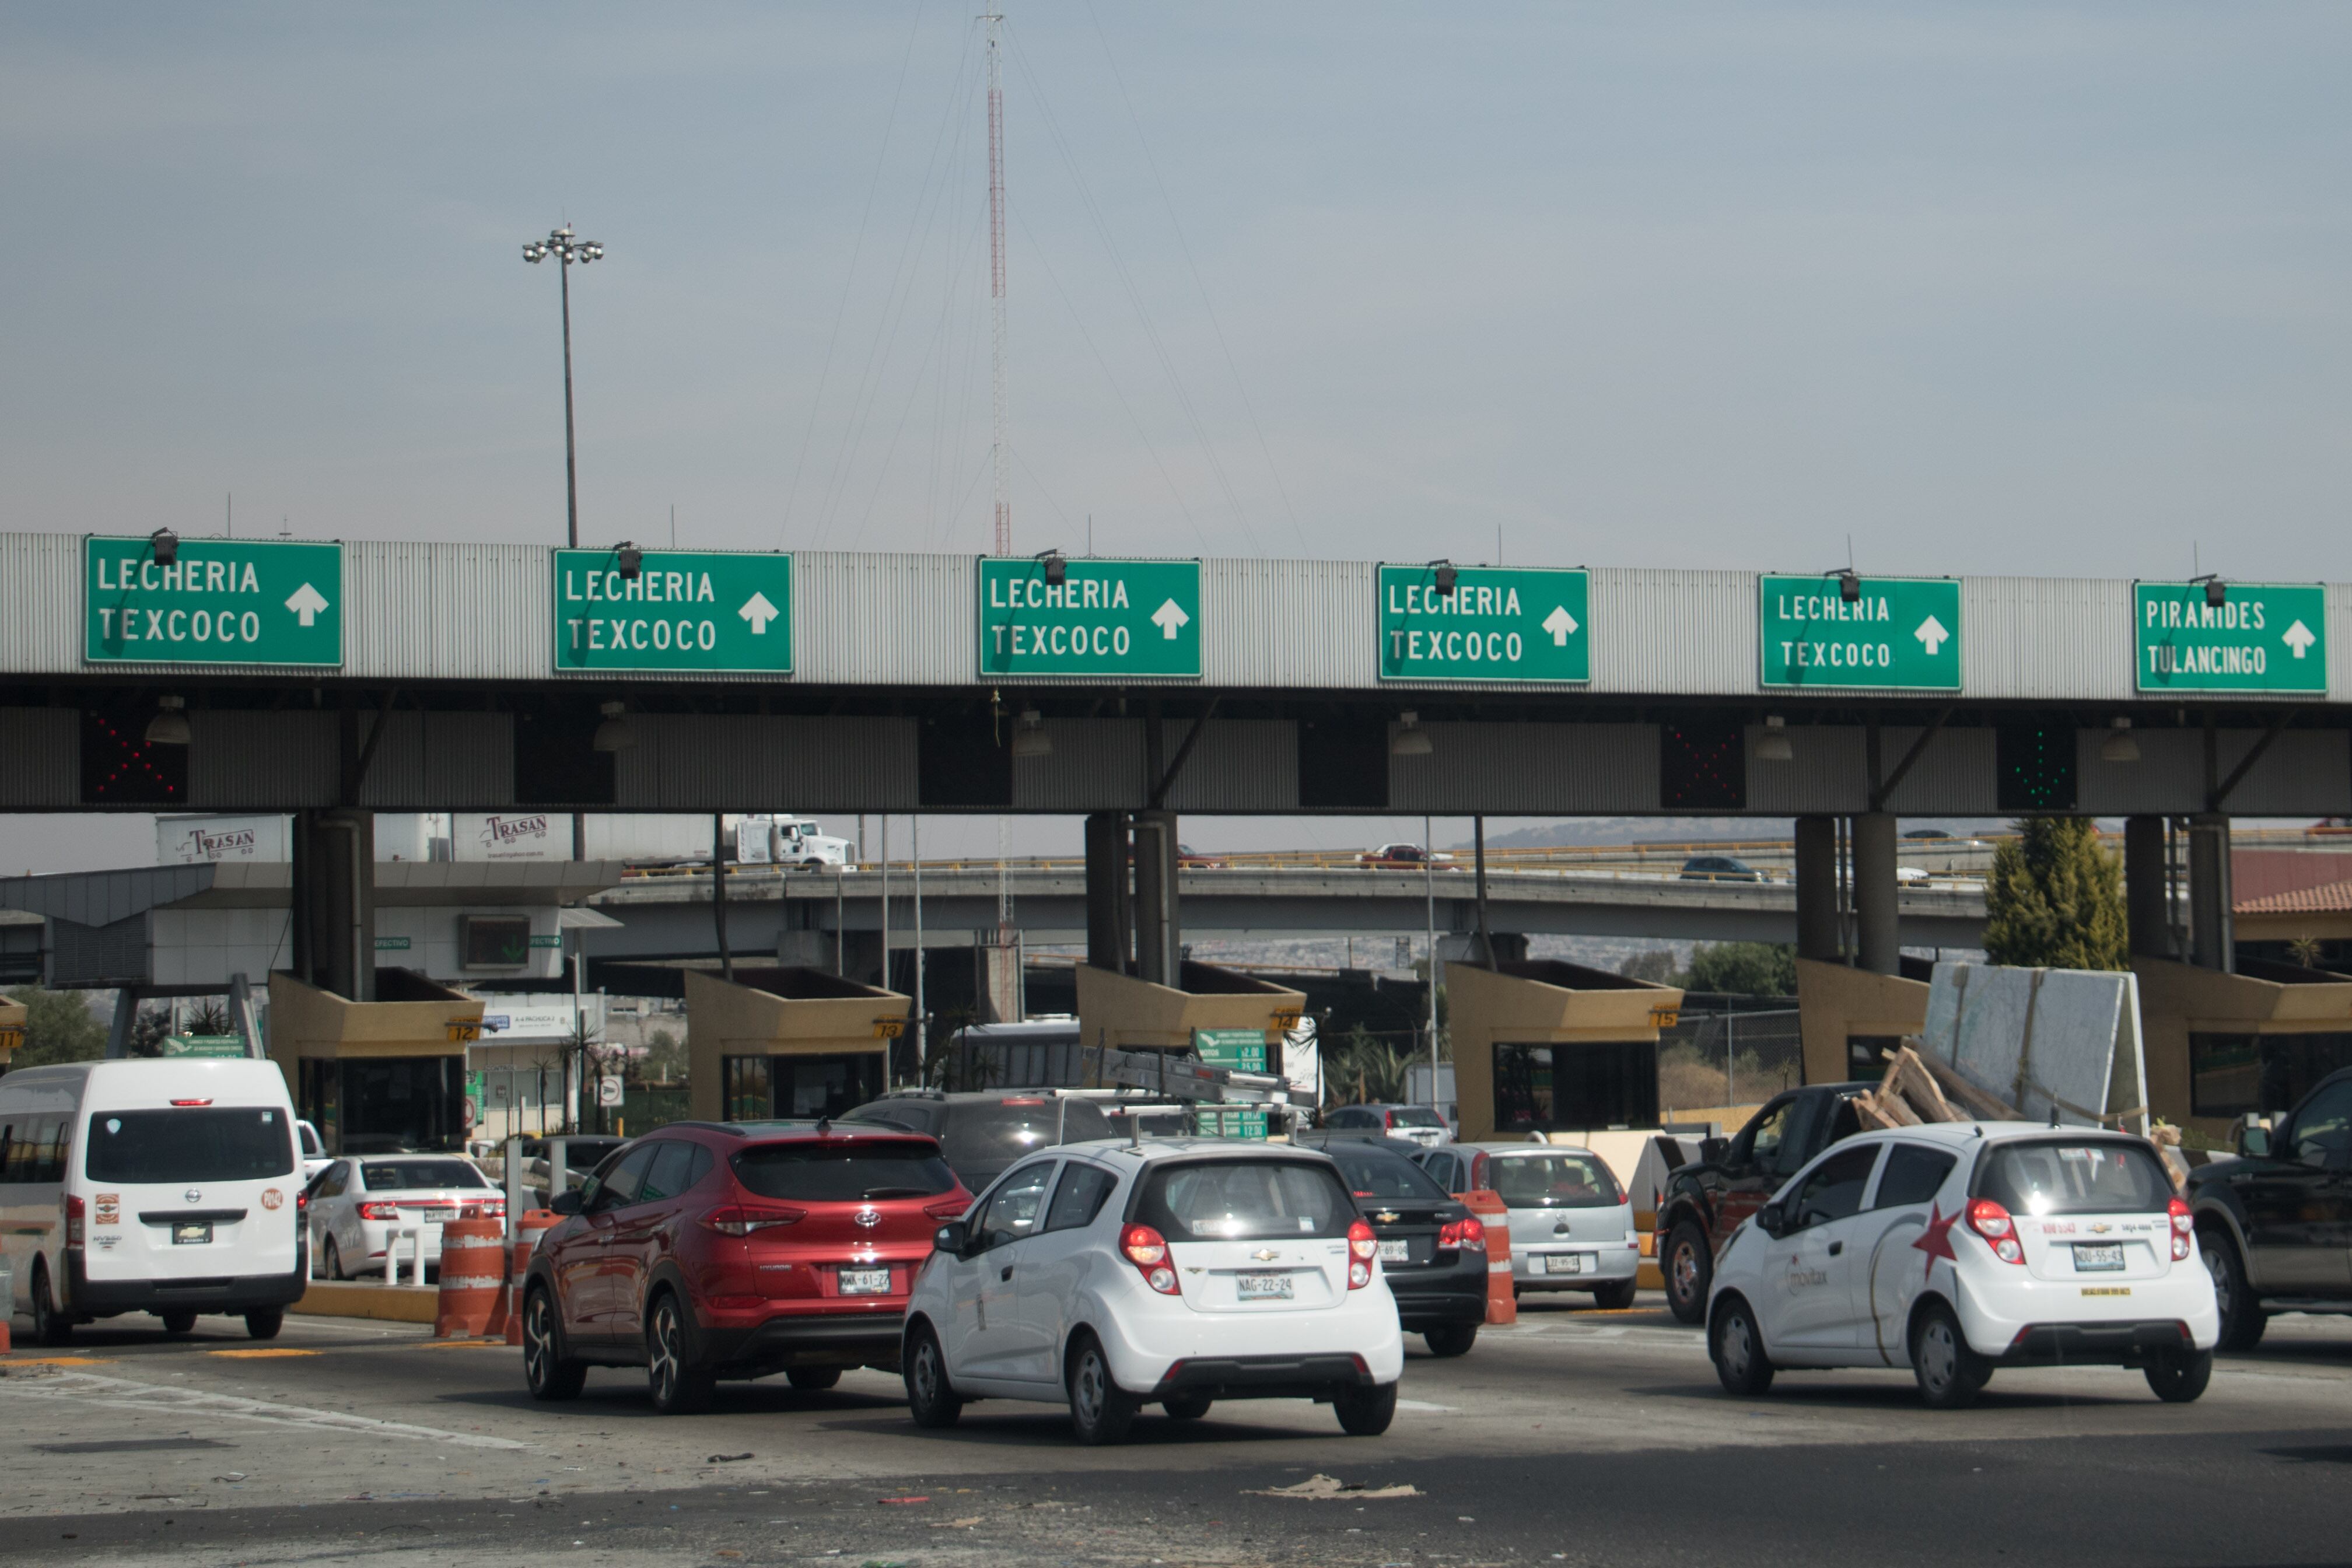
(2056, 1176)
(188, 1143)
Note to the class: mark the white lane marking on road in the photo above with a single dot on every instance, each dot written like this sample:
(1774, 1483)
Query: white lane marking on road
(122, 1393)
(1424, 1404)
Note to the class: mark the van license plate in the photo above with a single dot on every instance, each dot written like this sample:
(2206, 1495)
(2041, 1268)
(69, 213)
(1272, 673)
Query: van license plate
(197, 1233)
(1564, 1263)
(1396, 1251)
(1261, 1287)
(2098, 1257)
(865, 1281)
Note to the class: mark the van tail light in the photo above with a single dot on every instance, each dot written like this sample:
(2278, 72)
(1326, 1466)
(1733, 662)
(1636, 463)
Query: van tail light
(1463, 1235)
(949, 1208)
(1362, 1247)
(742, 1219)
(2178, 1209)
(1991, 1221)
(1147, 1250)
(74, 1220)
(379, 1211)
(302, 1202)
(192, 1102)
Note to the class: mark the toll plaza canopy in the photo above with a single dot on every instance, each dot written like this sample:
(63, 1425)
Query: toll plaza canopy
(141, 671)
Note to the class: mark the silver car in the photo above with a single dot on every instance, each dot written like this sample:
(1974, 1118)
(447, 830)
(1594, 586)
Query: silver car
(1572, 1222)
(357, 1202)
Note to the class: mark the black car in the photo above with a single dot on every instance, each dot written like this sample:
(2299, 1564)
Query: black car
(2275, 1224)
(1433, 1249)
(981, 1133)
(1719, 868)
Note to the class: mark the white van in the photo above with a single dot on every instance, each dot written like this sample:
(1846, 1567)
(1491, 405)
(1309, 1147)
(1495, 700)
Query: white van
(169, 1187)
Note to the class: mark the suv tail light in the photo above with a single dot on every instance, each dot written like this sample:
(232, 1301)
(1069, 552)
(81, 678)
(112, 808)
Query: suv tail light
(742, 1219)
(379, 1211)
(2181, 1224)
(1147, 1250)
(74, 1220)
(1463, 1234)
(1991, 1221)
(1362, 1247)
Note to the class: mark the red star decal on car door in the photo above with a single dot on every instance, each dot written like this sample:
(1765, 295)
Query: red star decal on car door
(1936, 1240)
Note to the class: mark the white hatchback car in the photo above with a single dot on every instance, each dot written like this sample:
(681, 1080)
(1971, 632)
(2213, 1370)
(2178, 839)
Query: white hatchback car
(2038, 1246)
(1178, 1272)
(355, 1203)
(1571, 1226)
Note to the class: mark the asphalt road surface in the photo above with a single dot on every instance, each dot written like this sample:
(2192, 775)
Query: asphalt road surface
(1579, 1436)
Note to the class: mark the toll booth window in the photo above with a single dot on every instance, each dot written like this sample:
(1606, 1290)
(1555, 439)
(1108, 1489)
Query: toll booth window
(747, 1094)
(2229, 1075)
(1865, 1058)
(402, 1105)
(1600, 1083)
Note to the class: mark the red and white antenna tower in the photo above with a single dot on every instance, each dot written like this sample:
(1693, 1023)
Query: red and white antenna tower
(996, 20)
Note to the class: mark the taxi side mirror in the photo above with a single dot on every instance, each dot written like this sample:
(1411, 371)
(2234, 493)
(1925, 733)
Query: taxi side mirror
(953, 1238)
(2253, 1139)
(1713, 1148)
(1772, 1221)
(566, 1202)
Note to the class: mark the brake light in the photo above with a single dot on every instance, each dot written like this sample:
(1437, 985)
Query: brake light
(74, 1221)
(1028, 1102)
(2178, 1209)
(742, 1219)
(192, 1102)
(1478, 1161)
(1463, 1235)
(1362, 1247)
(301, 1200)
(379, 1211)
(949, 1208)
(1388, 1118)
(1147, 1250)
(1991, 1221)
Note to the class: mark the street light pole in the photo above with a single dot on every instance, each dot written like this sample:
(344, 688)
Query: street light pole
(567, 248)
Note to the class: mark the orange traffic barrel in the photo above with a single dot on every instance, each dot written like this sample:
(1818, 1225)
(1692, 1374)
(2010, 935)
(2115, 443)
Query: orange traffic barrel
(473, 1276)
(1502, 1304)
(533, 1224)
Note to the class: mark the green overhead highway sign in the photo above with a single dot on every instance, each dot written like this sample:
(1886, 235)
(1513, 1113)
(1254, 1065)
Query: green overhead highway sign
(1902, 633)
(1500, 623)
(685, 609)
(220, 600)
(1105, 618)
(2262, 637)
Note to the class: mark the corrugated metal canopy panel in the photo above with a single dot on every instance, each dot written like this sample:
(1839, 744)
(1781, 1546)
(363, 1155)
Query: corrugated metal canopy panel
(448, 612)
(2305, 772)
(240, 758)
(1311, 625)
(1671, 633)
(2168, 777)
(40, 756)
(1528, 770)
(1957, 775)
(1096, 764)
(2339, 642)
(1241, 765)
(102, 898)
(885, 619)
(440, 762)
(41, 634)
(708, 761)
(1828, 772)
(2057, 638)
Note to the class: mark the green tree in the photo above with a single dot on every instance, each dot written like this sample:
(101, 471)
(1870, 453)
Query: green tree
(1743, 969)
(2056, 898)
(58, 1028)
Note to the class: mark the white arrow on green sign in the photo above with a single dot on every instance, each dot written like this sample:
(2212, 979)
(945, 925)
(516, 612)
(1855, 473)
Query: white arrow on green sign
(1496, 624)
(2262, 637)
(1107, 618)
(220, 600)
(682, 609)
(1898, 633)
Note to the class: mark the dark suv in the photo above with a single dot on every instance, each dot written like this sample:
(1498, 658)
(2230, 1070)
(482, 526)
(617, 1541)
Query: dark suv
(1433, 1249)
(2275, 1224)
(709, 1250)
(1705, 1201)
(983, 1134)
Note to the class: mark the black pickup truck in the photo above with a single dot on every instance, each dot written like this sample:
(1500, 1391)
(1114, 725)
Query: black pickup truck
(1705, 1201)
(2275, 1224)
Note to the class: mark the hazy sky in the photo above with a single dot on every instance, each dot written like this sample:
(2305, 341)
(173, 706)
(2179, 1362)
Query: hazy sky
(1989, 287)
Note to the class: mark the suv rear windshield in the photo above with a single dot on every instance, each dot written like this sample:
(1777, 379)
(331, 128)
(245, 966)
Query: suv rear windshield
(999, 1132)
(1553, 1181)
(1377, 1174)
(834, 1172)
(2055, 1176)
(418, 1175)
(1415, 1116)
(188, 1143)
(1236, 1200)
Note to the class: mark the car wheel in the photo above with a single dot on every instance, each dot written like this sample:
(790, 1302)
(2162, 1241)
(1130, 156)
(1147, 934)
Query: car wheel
(1452, 1340)
(333, 1260)
(264, 1324)
(2176, 1377)
(930, 1397)
(678, 1386)
(812, 1379)
(1949, 1373)
(1615, 1296)
(1366, 1412)
(1190, 1409)
(2242, 1319)
(1100, 1410)
(547, 1372)
(1737, 1346)
(177, 1322)
(1689, 1268)
(50, 1327)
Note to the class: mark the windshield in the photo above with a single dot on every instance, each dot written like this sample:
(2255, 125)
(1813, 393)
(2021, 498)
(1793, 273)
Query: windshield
(833, 1172)
(1415, 1116)
(997, 1133)
(1375, 1173)
(1558, 1181)
(418, 1175)
(2058, 1177)
(190, 1144)
(1237, 1200)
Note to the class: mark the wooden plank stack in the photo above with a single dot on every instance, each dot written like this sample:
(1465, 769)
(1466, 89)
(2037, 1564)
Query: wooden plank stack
(1920, 1088)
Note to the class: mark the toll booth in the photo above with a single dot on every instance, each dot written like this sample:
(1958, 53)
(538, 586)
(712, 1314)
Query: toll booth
(1850, 1016)
(13, 1015)
(377, 1076)
(1121, 1013)
(1544, 1045)
(2220, 1045)
(786, 1043)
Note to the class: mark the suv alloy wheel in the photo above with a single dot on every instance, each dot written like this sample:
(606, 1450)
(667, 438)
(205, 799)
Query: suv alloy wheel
(678, 1386)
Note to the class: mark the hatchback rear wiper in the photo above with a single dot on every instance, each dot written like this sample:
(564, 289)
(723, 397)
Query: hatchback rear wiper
(893, 1193)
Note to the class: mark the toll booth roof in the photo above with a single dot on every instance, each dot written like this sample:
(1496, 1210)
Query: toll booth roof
(2283, 973)
(408, 985)
(1210, 980)
(794, 985)
(1569, 976)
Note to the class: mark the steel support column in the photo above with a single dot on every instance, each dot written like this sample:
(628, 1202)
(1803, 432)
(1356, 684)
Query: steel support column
(1878, 939)
(1107, 882)
(1817, 901)
(2147, 893)
(2211, 936)
(335, 888)
(1157, 928)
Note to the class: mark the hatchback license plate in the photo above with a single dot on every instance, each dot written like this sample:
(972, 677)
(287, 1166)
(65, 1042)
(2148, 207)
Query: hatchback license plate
(2098, 1257)
(1564, 1263)
(865, 1281)
(1396, 1252)
(1261, 1287)
(194, 1233)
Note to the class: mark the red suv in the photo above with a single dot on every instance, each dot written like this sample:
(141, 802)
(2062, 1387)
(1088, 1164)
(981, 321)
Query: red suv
(711, 1250)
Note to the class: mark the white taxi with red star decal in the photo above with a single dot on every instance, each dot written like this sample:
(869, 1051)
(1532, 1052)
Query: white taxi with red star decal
(1958, 1248)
